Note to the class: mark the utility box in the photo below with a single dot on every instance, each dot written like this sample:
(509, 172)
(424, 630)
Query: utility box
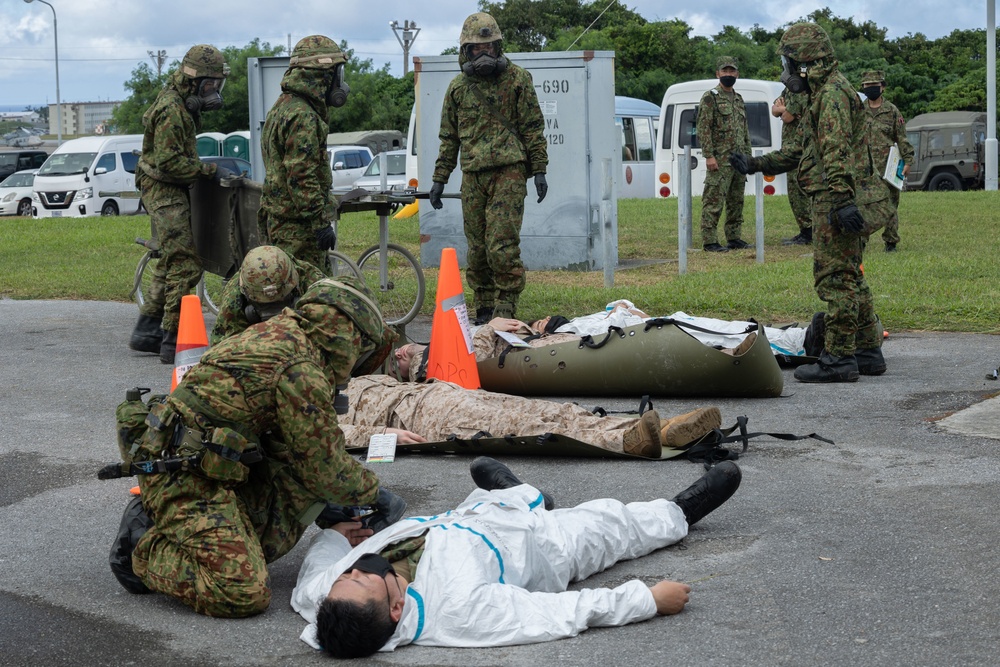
(576, 226)
(263, 88)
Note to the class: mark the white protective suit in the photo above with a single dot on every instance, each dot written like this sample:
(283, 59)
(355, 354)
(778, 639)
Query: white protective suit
(494, 571)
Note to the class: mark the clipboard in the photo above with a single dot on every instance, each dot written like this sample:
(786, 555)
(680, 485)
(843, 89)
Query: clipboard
(894, 169)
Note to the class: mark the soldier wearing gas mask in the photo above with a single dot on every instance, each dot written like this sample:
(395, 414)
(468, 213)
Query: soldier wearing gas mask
(168, 166)
(491, 113)
(836, 171)
(297, 204)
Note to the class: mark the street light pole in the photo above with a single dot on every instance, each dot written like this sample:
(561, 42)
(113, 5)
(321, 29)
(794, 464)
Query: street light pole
(55, 32)
(410, 31)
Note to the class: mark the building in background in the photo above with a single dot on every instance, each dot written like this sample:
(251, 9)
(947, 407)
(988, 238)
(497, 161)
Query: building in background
(82, 118)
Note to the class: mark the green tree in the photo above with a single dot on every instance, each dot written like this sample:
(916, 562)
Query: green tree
(144, 85)
(378, 100)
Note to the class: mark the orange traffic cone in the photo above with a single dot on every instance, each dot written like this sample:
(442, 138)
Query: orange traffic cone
(192, 337)
(450, 356)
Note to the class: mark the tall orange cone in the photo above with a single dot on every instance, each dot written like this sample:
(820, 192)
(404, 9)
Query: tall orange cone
(451, 356)
(192, 337)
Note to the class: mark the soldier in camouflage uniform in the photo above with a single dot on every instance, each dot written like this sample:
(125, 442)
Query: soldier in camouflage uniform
(837, 172)
(297, 204)
(885, 128)
(789, 108)
(168, 166)
(497, 158)
(269, 281)
(266, 394)
(722, 129)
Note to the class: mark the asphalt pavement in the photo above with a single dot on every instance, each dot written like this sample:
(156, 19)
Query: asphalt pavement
(876, 550)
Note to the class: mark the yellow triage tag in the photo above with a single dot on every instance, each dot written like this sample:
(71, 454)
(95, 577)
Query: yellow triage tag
(382, 448)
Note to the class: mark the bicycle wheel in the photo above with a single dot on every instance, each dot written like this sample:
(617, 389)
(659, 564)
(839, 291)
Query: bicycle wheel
(209, 290)
(342, 265)
(402, 295)
(142, 280)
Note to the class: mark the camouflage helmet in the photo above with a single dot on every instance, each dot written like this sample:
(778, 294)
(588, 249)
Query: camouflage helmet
(267, 275)
(873, 76)
(351, 296)
(805, 42)
(204, 61)
(316, 52)
(480, 28)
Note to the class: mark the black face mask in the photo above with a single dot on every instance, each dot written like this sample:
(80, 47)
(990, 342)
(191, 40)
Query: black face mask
(372, 564)
(872, 92)
(727, 81)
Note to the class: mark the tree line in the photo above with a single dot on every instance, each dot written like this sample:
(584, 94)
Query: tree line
(922, 75)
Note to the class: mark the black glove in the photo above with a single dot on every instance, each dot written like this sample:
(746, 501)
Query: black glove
(326, 238)
(847, 219)
(389, 509)
(743, 163)
(541, 187)
(434, 197)
(222, 172)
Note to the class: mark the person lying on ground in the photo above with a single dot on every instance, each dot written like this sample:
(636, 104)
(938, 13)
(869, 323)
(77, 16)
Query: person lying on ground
(495, 570)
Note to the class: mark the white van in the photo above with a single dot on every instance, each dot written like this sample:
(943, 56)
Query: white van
(678, 114)
(638, 121)
(88, 176)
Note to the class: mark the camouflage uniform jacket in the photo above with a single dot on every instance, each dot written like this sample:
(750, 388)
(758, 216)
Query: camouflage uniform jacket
(276, 380)
(885, 128)
(795, 104)
(169, 151)
(232, 318)
(484, 141)
(834, 156)
(722, 125)
(293, 143)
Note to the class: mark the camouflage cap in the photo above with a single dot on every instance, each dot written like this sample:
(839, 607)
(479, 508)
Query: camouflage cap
(727, 61)
(204, 61)
(480, 28)
(873, 76)
(805, 42)
(316, 52)
(267, 275)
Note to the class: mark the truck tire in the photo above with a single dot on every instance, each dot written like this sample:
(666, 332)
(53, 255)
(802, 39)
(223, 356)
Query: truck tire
(945, 181)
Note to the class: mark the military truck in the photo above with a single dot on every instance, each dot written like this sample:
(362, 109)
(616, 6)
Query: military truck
(949, 150)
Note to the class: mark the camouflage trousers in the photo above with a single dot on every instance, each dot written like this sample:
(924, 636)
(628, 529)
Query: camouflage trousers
(799, 201)
(890, 233)
(722, 187)
(212, 540)
(296, 237)
(438, 409)
(840, 283)
(178, 270)
(493, 208)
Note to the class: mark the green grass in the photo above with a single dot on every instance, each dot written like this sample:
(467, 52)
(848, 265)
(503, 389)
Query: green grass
(945, 277)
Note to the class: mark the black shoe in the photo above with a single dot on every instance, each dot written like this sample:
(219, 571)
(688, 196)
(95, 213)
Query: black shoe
(483, 315)
(714, 488)
(168, 347)
(870, 362)
(714, 247)
(135, 523)
(147, 335)
(829, 369)
(738, 244)
(805, 237)
(890, 247)
(490, 474)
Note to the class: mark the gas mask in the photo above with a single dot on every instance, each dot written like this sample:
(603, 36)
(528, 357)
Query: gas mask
(207, 97)
(483, 64)
(793, 75)
(336, 94)
(872, 92)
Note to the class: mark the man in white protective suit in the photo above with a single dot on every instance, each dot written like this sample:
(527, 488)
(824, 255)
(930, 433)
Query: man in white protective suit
(494, 571)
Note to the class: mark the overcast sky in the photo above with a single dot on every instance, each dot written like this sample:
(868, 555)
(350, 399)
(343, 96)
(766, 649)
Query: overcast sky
(102, 41)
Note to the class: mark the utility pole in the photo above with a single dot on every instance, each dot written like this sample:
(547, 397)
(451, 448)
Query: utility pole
(159, 58)
(410, 30)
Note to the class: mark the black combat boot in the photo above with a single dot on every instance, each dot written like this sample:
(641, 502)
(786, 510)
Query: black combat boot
(483, 315)
(713, 488)
(135, 523)
(829, 369)
(870, 362)
(168, 348)
(147, 335)
(490, 474)
(804, 237)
